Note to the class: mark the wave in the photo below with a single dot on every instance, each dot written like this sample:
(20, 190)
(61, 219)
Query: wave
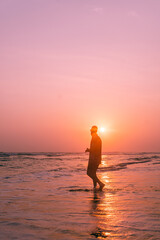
(122, 165)
(2, 154)
(144, 158)
(46, 154)
(54, 154)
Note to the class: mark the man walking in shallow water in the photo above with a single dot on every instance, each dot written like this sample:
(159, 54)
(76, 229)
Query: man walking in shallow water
(94, 157)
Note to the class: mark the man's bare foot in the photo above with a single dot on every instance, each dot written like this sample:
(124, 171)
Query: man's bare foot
(101, 187)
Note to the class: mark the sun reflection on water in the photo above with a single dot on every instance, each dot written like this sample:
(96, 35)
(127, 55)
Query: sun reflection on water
(103, 208)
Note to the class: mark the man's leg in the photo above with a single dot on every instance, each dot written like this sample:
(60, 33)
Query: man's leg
(91, 172)
(94, 183)
(96, 179)
(94, 176)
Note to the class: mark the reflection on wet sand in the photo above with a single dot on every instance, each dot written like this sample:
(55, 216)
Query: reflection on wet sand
(96, 205)
(102, 210)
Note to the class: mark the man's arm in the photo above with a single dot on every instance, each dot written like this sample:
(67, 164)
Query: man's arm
(87, 150)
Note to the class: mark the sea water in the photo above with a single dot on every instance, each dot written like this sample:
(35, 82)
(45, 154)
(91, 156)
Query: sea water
(49, 196)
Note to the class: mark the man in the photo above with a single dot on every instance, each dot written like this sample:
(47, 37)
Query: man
(94, 157)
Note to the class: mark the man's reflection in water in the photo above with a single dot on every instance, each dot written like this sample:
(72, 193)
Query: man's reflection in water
(98, 210)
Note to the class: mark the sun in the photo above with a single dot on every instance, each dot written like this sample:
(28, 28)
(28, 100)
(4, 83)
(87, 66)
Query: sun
(102, 129)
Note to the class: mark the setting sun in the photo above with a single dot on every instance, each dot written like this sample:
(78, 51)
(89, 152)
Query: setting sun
(102, 129)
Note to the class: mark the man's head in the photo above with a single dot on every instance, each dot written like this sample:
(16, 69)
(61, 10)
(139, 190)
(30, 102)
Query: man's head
(94, 129)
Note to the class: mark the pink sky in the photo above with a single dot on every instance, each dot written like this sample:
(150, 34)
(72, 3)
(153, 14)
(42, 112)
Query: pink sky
(66, 65)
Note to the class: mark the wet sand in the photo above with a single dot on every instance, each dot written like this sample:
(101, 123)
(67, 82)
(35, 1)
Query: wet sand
(49, 196)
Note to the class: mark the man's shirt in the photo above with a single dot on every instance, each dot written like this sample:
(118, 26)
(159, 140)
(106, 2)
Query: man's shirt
(95, 150)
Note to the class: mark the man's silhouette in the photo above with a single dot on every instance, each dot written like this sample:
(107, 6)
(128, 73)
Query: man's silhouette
(94, 157)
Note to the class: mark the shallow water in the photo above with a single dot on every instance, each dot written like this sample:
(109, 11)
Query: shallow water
(49, 196)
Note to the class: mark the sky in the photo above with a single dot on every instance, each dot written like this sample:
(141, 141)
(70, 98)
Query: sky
(66, 65)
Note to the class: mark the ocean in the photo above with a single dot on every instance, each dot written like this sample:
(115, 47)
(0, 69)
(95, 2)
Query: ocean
(49, 196)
